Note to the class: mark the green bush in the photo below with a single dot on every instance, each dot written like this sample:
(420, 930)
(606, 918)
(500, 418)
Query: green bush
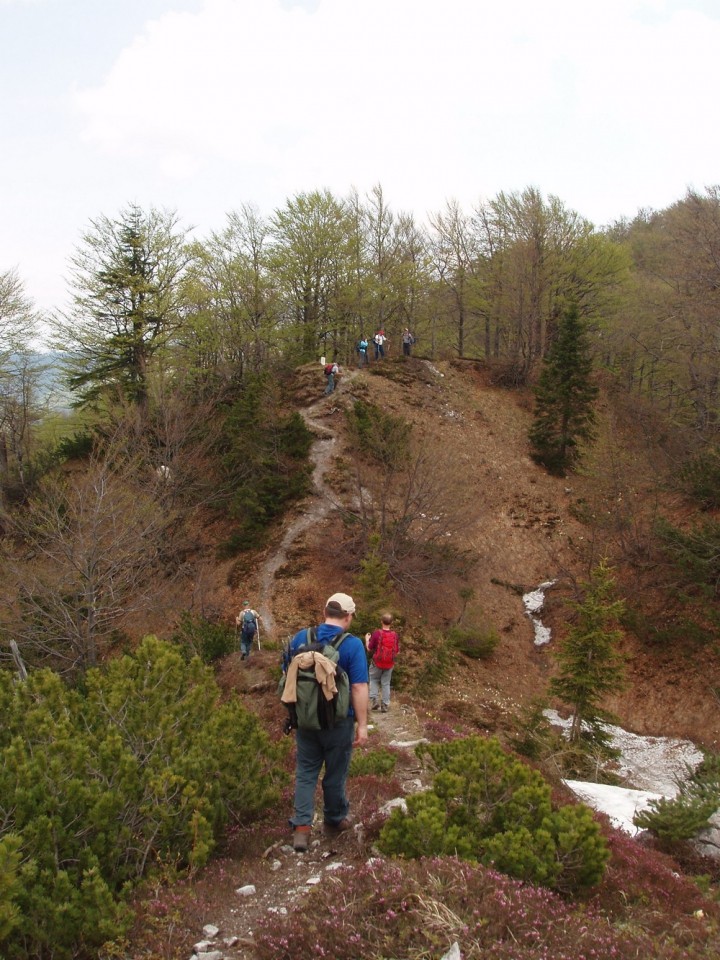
(434, 669)
(488, 807)
(264, 452)
(140, 769)
(686, 815)
(695, 552)
(475, 642)
(9, 863)
(376, 762)
(701, 478)
(199, 637)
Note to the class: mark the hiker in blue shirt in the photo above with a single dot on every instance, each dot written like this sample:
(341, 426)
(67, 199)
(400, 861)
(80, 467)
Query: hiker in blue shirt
(362, 349)
(332, 747)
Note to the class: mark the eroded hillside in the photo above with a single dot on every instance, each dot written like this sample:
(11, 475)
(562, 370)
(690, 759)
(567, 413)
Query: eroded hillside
(522, 526)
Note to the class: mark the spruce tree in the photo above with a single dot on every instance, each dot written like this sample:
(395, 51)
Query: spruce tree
(564, 396)
(590, 665)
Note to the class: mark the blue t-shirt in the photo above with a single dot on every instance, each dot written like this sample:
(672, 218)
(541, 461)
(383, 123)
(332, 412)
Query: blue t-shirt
(351, 653)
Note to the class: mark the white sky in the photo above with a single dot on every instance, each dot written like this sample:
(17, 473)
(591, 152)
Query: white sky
(202, 105)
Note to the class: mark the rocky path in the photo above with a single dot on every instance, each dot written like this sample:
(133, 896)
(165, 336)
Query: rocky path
(313, 510)
(245, 892)
(249, 890)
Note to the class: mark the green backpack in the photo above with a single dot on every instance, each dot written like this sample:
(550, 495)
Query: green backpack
(312, 711)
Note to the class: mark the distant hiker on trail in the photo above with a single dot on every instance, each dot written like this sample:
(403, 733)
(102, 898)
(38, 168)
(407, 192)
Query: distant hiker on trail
(378, 342)
(362, 351)
(333, 746)
(248, 620)
(407, 341)
(332, 370)
(384, 646)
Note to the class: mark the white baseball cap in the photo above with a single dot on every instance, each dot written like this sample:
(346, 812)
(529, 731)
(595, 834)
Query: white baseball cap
(340, 605)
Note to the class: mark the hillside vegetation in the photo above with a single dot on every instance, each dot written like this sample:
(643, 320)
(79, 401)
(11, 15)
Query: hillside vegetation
(204, 466)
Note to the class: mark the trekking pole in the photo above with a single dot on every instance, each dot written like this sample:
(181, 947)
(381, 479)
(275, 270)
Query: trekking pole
(258, 633)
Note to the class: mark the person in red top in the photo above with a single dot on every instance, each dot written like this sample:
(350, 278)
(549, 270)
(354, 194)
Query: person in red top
(384, 646)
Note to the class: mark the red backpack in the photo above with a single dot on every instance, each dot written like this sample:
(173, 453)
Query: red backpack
(329, 369)
(384, 658)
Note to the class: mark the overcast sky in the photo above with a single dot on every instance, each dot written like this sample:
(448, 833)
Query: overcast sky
(202, 105)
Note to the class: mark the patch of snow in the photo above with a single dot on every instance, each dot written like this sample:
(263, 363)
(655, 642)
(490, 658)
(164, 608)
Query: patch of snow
(534, 603)
(619, 803)
(657, 764)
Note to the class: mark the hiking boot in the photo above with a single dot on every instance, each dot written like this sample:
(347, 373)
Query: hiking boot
(335, 829)
(384, 708)
(301, 839)
(242, 657)
(374, 705)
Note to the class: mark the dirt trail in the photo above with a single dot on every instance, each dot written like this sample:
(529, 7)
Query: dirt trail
(314, 509)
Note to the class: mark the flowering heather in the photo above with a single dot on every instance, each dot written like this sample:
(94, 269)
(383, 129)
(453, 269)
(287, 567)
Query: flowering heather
(420, 908)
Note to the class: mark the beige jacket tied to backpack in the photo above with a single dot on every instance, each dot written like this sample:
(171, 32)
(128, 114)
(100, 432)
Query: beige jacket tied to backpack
(324, 674)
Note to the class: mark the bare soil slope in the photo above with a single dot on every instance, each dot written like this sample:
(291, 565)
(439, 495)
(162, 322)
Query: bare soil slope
(520, 523)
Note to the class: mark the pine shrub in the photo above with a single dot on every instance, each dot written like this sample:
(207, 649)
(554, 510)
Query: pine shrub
(701, 478)
(487, 806)
(264, 453)
(9, 886)
(686, 815)
(199, 637)
(478, 643)
(141, 768)
(372, 762)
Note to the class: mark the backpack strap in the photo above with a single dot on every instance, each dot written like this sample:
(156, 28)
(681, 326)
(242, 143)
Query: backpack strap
(339, 639)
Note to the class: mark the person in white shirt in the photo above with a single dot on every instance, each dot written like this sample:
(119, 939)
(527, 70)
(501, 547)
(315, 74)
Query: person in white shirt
(378, 341)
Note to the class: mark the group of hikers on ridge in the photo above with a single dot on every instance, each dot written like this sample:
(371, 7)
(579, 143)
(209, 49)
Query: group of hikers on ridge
(329, 688)
(378, 341)
(362, 348)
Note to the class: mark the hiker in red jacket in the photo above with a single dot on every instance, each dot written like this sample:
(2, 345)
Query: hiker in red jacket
(384, 645)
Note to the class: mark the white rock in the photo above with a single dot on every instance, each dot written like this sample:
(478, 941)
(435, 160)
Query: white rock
(312, 881)
(388, 807)
(281, 910)
(247, 891)
(335, 865)
(211, 955)
(210, 931)
(408, 744)
(275, 865)
(412, 786)
(231, 941)
(202, 946)
(453, 953)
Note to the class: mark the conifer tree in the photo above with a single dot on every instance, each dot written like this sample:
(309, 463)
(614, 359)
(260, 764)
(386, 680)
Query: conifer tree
(373, 588)
(127, 303)
(589, 661)
(564, 396)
